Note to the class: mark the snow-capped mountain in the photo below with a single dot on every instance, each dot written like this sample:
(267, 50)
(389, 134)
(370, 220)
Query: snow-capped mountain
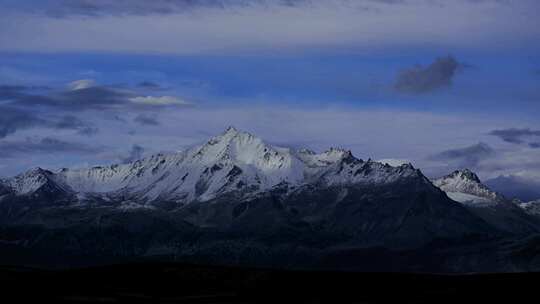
(237, 183)
(465, 187)
(234, 161)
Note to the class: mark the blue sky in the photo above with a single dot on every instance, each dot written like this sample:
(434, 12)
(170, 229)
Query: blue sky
(441, 84)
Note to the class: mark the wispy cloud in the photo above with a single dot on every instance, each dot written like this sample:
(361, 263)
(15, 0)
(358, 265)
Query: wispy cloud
(86, 94)
(519, 136)
(149, 85)
(81, 84)
(467, 156)
(71, 122)
(15, 119)
(147, 120)
(11, 91)
(59, 8)
(12, 119)
(47, 145)
(193, 27)
(158, 100)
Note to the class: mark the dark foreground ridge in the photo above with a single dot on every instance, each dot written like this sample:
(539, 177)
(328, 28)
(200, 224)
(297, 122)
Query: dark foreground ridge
(180, 283)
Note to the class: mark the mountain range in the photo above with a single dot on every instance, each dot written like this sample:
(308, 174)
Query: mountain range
(238, 200)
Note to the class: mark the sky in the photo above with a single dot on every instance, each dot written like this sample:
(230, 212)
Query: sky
(444, 85)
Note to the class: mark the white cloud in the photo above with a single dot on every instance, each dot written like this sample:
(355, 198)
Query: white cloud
(81, 84)
(158, 100)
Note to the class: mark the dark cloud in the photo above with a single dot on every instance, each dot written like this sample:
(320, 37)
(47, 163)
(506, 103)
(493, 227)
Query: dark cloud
(11, 91)
(94, 97)
(63, 8)
(98, 97)
(149, 85)
(135, 153)
(47, 145)
(147, 120)
(59, 8)
(12, 119)
(71, 122)
(465, 157)
(422, 79)
(513, 186)
(517, 136)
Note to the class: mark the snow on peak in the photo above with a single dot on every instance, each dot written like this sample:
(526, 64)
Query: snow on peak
(331, 156)
(466, 174)
(245, 149)
(234, 161)
(30, 181)
(464, 186)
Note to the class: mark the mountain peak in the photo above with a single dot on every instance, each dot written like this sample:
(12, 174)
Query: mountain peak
(231, 130)
(232, 133)
(30, 181)
(466, 174)
(465, 186)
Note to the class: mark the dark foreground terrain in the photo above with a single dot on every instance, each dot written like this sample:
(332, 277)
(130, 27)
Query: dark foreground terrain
(178, 283)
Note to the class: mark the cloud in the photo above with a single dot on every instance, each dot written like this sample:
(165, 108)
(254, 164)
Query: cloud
(205, 26)
(8, 92)
(420, 79)
(515, 186)
(87, 95)
(11, 91)
(135, 153)
(467, 156)
(71, 122)
(97, 97)
(58, 8)
(517, 136)
(146, 120)
(149, 85)
(158, 100)
(47, 145)
(12, 120)
(81, 84)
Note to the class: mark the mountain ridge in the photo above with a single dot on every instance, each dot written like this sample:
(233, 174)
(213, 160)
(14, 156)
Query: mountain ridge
(227, 162)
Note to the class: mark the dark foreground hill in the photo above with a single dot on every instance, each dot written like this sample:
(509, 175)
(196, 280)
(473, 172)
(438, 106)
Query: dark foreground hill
(179, 283)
